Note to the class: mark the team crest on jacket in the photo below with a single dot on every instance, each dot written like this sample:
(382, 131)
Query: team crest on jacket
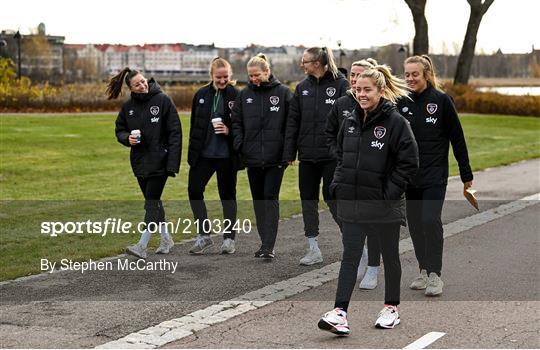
(274, 100)
(330, 91)
(431, 108)
(405, 109)
(201, 101)
(154, 110)
(305, 92)
(231, 104)
(379, 132)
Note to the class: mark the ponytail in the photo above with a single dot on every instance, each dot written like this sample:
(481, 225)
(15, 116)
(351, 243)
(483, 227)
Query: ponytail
(428, 69)
(367, 63)
(114, 87)
(260, 60)
(325, 57)
(394, 88)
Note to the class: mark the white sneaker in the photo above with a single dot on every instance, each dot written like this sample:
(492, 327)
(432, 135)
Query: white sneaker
(388, 317)
(136, 250)
(201, 245)
(363, 264)
(165, 246)
(434, 285)
(228, 246)
(335, 321)
(370, 278)
(420, 282)
(313, 256)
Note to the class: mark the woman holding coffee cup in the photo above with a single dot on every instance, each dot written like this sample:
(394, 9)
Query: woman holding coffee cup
(210, 151)
(148, 123)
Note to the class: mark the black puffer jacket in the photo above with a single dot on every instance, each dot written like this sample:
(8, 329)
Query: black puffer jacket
(155, 115)
(340, 111)
(259, 116)
(201, 114)
(306, 123)
(376, 160)
(435, 124)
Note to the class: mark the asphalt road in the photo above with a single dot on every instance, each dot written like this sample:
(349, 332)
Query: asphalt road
(491, 276)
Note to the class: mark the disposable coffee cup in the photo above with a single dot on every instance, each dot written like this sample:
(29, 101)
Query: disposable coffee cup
(216, 122)
(137, 133)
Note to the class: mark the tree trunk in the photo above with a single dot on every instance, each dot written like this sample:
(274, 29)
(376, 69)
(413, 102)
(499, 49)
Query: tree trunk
(421, 39)
(466, 56)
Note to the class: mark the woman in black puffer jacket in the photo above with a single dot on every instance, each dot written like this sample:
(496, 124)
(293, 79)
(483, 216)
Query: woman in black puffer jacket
(377, 157)
(155, 152)
(313, 100)
(210, 151)
(258, 118)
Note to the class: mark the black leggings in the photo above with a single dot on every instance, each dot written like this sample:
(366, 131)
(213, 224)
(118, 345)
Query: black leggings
(374, 251)
(152, 188)
(265, 184)
(199, 175)
(309, 181)
(424, 208)
(353, 238)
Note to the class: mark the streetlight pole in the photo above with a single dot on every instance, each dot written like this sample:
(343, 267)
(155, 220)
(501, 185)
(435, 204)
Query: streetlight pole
(17, 37)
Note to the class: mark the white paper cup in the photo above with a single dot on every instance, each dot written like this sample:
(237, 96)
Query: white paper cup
(217, 122)
(138, 134)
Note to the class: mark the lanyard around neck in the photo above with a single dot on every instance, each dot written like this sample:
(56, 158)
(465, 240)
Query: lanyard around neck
(215, 102)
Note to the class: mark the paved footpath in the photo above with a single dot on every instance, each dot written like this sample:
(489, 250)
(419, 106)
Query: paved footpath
(490, 299)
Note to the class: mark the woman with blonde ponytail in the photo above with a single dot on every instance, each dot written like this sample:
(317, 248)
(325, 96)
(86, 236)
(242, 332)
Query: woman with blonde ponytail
(377, 156)
(313, 99)
(368, 269)
(258, 118)
(435, 123)
(149, 125)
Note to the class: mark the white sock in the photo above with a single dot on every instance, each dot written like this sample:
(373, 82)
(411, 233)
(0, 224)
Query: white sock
(145, 237)
(313, 245)
(373, 270)
(164, 232)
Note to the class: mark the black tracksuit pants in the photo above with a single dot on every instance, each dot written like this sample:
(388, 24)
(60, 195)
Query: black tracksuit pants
(152, 188)
(198, 178)
(309, 181)
(424, 207)
(353, 236)
(265, 184)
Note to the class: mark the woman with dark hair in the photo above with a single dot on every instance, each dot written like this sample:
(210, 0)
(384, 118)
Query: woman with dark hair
(210, 151)
(259, 116)
(436, 125)
(148, 123)
(306, 124)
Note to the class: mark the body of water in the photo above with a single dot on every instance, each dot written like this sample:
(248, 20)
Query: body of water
(513, 90)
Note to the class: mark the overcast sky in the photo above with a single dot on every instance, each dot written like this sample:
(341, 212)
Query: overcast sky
(511, 25)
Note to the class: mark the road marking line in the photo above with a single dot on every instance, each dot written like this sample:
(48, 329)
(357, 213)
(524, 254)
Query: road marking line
(424, 341)
(185, 326)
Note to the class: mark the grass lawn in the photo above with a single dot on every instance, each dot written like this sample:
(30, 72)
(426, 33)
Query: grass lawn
(70, 168)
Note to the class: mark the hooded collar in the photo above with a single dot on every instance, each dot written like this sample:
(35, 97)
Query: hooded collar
(382, 111)
(272, 81)
(327, 76)
(418, 96)
(153, 89)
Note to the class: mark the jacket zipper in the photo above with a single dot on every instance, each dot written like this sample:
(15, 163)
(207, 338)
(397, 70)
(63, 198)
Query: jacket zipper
(262, 127)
